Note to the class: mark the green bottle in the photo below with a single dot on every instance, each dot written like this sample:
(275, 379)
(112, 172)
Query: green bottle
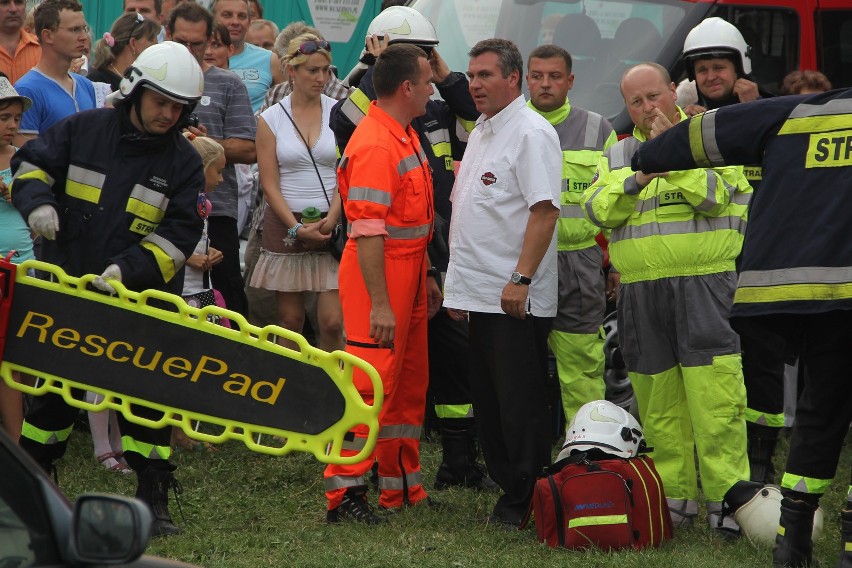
(311, 215)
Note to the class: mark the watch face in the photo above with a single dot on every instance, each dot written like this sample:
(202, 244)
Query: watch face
(516, 278)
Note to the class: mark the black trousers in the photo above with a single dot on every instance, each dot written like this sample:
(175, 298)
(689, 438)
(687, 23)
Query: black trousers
(449, 364)
(227, 276)
(509, 389)
(824, 411)
(763, 374)
(51, 413)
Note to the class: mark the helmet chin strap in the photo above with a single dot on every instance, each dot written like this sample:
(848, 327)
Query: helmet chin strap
(137, 108)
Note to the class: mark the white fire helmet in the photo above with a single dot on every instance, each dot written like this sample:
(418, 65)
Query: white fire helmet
(168, 68)
(401, 24)
(760, 516)
(712, 38)
(604, 426)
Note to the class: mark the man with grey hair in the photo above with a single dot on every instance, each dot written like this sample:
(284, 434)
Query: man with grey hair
(20, 49)
(502, 271)
(291, 31)
(262, 33)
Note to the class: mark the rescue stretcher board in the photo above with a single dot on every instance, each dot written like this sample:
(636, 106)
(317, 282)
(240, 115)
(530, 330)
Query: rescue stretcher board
(151, 349)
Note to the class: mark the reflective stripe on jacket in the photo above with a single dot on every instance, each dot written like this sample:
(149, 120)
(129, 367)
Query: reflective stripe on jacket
(687, 223)
(796, 258)
(122, 197)
(385, 184)
(583, 136)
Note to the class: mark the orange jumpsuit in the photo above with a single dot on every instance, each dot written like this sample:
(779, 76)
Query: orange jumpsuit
(386, 187)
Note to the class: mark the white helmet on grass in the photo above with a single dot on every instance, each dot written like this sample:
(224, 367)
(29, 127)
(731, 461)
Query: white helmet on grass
(757, 510)
(602, 425)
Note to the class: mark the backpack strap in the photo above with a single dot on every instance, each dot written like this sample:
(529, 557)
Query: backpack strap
(525, 521)
(557, 504)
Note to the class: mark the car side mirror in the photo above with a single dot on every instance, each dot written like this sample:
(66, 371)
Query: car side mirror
(109, 529)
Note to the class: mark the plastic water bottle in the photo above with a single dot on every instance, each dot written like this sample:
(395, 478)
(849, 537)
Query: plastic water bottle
(311, 215)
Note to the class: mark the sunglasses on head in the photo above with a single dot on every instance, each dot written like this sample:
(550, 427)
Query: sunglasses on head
(139, 19)
(310, 47)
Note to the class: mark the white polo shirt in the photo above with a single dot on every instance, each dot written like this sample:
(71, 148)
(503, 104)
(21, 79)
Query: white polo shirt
(513, 160)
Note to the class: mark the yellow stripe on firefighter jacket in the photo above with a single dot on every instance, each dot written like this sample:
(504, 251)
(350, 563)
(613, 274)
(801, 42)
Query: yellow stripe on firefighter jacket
(797, 257)
(123, 198)
(583, 136)
(687, 223)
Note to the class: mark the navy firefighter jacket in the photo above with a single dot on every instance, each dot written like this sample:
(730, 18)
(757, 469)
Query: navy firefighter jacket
(797, 255)
(123, 197)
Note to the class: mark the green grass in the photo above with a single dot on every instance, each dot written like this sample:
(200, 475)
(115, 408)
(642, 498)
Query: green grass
(250, 510)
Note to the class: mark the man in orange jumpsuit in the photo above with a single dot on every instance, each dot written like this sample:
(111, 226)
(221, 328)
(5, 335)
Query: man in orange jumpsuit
(386, 188)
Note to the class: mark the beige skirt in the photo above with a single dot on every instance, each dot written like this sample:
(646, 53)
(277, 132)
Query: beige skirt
(295, 272)
(286, 266)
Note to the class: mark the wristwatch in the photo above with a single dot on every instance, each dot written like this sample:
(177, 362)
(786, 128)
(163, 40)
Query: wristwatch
(518, 278)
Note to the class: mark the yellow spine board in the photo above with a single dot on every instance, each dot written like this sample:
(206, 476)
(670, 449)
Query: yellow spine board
(338, 365)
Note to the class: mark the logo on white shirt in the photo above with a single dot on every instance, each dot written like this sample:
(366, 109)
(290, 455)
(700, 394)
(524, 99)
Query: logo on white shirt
(488, 178)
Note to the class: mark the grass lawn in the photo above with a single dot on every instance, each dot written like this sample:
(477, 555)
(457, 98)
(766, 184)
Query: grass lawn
(250, 510)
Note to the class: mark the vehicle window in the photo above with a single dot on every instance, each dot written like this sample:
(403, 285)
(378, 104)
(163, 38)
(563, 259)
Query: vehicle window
(771, 34)
(460, 25)
(834, 46)
(26, 538)
(604, 37)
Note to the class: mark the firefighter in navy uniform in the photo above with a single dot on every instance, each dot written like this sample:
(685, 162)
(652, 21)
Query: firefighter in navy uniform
(113, 192)
(794, 294)
(443, 132)
(716, 57)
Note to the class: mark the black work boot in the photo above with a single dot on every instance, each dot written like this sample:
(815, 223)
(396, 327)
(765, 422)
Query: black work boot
(459, 467)
(793, 544)
(761, 449)
(153, 488)
(354, 507)
(722, 525)
(44, 455)
(845, 560)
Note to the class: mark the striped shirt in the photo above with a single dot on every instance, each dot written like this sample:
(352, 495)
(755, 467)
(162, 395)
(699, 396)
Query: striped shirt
(226, 112)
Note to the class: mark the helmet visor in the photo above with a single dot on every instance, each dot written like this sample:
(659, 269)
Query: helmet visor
(154, 88)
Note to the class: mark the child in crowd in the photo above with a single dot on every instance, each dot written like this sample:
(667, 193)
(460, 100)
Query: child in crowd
(197, 289)
(14, 234)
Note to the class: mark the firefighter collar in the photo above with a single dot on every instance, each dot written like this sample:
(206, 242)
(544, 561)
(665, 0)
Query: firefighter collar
(556, 116)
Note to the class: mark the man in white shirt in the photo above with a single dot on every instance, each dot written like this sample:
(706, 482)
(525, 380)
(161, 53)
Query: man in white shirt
(502, 271)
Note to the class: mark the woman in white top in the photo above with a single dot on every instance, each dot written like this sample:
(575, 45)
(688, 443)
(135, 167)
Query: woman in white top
(296, 158)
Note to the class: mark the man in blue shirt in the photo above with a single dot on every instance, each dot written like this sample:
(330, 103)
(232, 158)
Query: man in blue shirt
(56, 93)
(258, 68)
